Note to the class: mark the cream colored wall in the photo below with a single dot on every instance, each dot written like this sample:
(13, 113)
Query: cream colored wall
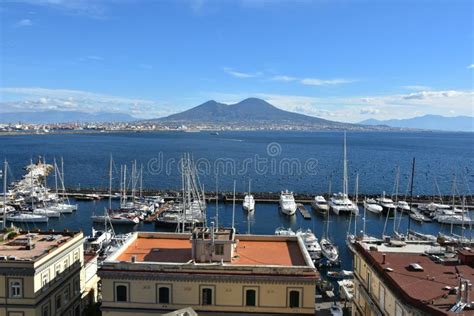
(229, 296)
(390, 299)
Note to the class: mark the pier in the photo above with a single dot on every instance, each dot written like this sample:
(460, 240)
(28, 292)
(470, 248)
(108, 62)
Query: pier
(260, 197)
(303, 211)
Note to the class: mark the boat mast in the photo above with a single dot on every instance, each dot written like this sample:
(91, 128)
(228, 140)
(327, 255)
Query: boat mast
(344, 183)
(356, 204)
(233, 208)
(217, 200)
(411, 192)
(5, 170)
(56, 177)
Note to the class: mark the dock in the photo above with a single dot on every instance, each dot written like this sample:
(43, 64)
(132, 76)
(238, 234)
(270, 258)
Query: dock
(303, 211)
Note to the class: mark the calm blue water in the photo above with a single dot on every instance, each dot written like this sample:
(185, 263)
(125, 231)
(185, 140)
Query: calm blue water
(299, 161)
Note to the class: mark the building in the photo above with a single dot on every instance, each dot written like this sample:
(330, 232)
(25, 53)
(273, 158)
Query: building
(42, 274)
(410, 278)
(211, 271)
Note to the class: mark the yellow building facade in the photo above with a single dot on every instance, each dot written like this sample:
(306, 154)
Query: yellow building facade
(160, 272)
(42, 274)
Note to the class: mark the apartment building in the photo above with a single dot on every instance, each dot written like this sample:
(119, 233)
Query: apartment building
(43, 274)
(211, 271)
(411, 278)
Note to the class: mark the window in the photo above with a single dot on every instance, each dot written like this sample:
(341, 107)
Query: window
(382, 297)
(58, 301)
(66, 295)
(66, 264)
(45, 310)
(164, 295)
(398, 310)
(121, 293)
(206, 296)
(369, 283)
(294, 299)
(76, 286)
(15, 289)
(355, 262)
(45, 280)
(219, 249)
(57, 270)
(76, 256)
(250, 298)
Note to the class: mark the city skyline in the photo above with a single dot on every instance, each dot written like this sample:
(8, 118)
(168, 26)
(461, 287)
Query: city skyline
(342, 61)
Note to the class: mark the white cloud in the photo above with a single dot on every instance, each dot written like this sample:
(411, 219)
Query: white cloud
(24, 23)
(239, 74)
(284, 78)
(416, 87)
(40, 99)
(471, 66)
(323, 82)
(369, 111)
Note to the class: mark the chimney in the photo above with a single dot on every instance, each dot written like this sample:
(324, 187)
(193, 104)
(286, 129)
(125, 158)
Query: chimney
(134, 259)
(383, 258)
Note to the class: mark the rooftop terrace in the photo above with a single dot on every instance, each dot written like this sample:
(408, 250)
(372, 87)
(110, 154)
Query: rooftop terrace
(429, 288)
(32, 246)
(250, 250)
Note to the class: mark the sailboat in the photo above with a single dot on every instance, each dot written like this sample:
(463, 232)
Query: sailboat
(328, 249)
(249, 202)
(340, 202)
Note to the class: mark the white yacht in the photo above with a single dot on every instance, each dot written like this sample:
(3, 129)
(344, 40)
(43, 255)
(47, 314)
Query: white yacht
(287, 203)
(320, 204)
(386, 203)
(249, 203)
(26, 218)
(340, 203)
(46, 212)
(372, 206)
(402, 205)
(311, 243)
(282, 231)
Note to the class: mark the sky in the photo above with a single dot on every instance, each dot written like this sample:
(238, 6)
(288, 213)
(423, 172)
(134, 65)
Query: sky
(340, 60)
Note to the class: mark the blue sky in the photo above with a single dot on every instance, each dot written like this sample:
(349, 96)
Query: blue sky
(341, 60)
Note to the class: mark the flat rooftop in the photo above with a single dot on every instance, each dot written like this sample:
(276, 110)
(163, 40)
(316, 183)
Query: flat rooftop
(428, 288)
(32, 246)
(249, 251)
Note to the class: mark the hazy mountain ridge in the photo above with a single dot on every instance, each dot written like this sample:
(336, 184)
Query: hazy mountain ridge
(53, 117)
(432, 122)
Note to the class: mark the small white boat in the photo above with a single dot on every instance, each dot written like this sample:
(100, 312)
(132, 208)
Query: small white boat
(249, 203)
(346, 289)
(26, 218)
(454, 219)
(320, 204)
(336, 310)
(329, 250)
(116, 219)
(282, 231)
(287, 203)
(386, 203)
(372, 206)
(343, 274)
(46, 212)
(402, 206)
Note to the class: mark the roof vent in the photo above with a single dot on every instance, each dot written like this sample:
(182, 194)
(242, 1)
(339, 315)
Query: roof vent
(415, 267)
(388, 269)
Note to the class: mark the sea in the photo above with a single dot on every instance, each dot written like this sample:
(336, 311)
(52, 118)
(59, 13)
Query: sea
(302, 162)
